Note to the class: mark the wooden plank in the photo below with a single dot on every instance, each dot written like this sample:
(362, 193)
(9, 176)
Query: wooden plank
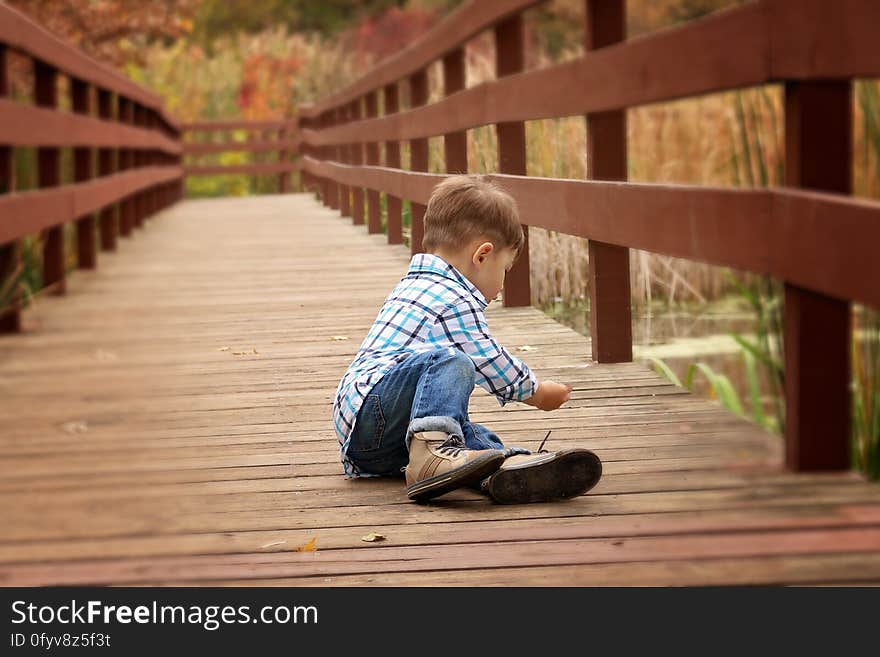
(253, 169)
(231, 124)
(805, 570)
(461, 556)
(665, 524)
(28, 125)
(29, 212)
(191, 148)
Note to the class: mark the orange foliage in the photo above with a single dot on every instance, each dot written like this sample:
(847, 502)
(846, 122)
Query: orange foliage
(265, 86)
(383, 35)
(112, 31)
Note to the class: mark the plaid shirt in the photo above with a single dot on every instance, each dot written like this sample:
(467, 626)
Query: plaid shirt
(433, 306)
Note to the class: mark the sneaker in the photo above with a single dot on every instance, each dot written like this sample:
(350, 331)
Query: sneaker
(544, 476)
(439, 463)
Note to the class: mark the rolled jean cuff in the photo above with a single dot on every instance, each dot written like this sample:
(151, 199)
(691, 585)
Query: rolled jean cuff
(434, 423)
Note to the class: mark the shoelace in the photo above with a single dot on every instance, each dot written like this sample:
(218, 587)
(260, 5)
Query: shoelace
(453, 446)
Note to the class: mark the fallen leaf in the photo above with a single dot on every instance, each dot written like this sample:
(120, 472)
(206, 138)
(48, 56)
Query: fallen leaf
(272, 544)
(339, 337)
(373, 537)
(308, 547)
(239, 353)
(75, 427)
(254, 350)
(527, 347)
(223, 349)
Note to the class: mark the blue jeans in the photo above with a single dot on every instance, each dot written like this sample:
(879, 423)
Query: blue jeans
(428, 391)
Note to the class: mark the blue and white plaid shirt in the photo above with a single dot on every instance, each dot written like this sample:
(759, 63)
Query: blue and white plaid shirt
(433, 306)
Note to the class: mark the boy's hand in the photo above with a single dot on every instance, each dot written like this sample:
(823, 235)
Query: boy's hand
(550, 395)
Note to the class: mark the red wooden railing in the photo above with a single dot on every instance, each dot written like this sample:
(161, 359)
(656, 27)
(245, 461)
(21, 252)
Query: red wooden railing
(212, 137)
(821, 243)
(138, 155)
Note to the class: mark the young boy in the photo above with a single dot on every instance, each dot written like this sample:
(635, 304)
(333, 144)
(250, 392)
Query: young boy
(403, 403)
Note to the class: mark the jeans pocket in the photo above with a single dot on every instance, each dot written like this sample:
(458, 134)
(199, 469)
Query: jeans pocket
(371, 425)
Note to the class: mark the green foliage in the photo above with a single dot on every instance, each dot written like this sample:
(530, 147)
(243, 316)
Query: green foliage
(218, 18)
(721, 388)
(765, 296)
(866, 392)
(662, 368)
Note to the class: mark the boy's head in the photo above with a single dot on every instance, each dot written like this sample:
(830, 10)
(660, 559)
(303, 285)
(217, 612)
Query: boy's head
(474, 225)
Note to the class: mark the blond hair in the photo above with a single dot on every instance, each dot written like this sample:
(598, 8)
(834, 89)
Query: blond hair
(464, 208)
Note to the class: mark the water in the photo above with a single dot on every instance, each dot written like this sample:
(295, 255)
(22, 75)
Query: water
(683, 336)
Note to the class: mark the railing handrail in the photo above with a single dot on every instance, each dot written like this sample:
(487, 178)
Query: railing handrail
(20, 32)
(136, 172)
(286, 141)
(459, 26)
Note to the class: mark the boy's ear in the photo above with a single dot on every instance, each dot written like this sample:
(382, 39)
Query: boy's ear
(482, 251)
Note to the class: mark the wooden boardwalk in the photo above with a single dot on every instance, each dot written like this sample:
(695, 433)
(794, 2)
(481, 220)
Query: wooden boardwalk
(168, 422)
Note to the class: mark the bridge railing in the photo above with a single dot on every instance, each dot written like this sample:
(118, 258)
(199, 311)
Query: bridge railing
(215, 137)
(138, 156)
(810, 234)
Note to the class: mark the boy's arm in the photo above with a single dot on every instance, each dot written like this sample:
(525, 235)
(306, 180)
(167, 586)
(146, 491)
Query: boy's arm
(497, 370)
(549, 395)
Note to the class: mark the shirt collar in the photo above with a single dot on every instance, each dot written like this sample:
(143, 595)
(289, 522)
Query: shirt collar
(428, 262)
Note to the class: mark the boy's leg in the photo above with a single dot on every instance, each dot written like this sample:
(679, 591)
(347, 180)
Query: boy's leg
(538, 477)
(378, 443)
(439, 458)
(426, 393)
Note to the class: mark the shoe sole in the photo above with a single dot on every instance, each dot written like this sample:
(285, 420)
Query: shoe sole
(572, 473)
(481, 467)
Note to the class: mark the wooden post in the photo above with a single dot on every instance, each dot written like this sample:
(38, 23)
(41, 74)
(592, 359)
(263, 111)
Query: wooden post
(818, 155)
(107, 216)
(283, 158)
(344, 158)
(126, 161)
(610, 312)
(392, 160)
(324, 122)
(332, 153)
(10, 253)
(49, 173)
(140, 209)
(418, 150)
(509, 59)
(80, 101)
(357, 158)
(304, 176)
(150, 159)
(374, 211)
(454, 143)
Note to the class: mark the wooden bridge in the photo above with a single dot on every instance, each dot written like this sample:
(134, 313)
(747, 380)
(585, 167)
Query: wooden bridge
(165, 415)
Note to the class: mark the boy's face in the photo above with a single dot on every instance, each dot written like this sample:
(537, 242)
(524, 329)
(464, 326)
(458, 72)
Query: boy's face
(489, 266)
